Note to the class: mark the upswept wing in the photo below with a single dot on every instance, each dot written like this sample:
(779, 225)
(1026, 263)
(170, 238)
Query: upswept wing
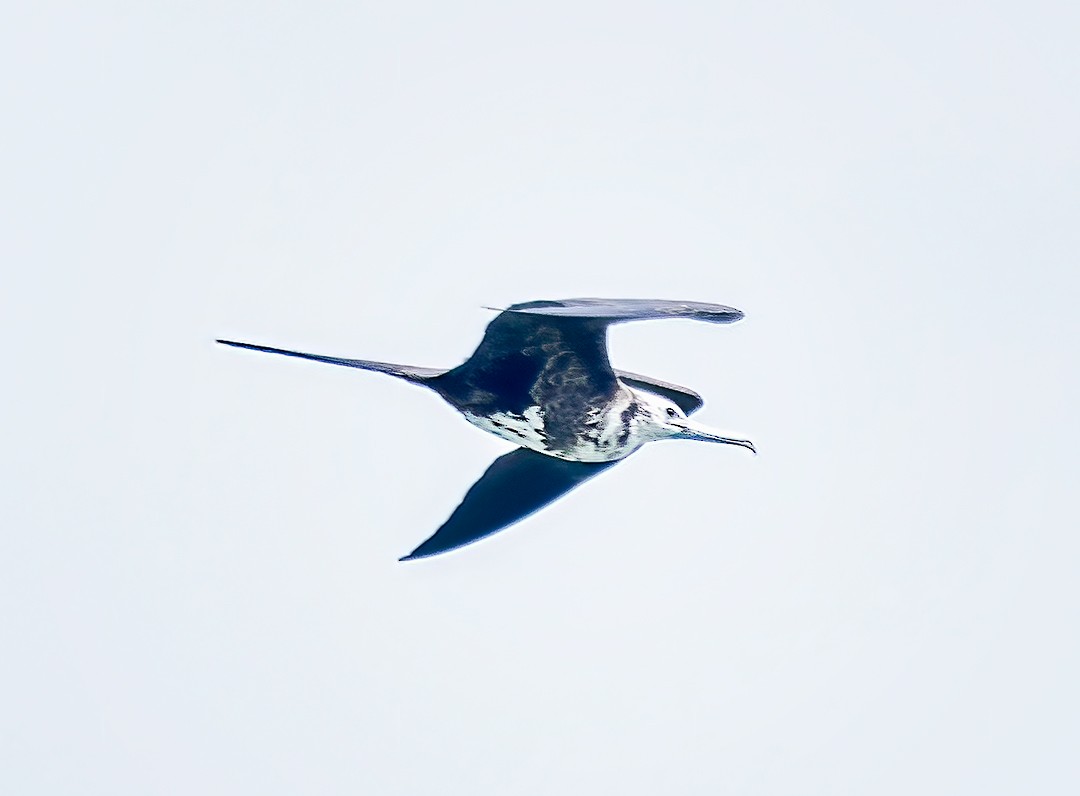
(513, 487)
(622, 310)
(554, 354)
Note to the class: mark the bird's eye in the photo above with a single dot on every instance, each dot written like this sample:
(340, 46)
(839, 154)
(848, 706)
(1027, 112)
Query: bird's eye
(671, 412)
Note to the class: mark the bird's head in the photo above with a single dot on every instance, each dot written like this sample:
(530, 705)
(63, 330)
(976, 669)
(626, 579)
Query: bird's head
(668, 421)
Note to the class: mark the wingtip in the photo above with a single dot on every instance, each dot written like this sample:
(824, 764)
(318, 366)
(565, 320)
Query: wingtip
(431, 552)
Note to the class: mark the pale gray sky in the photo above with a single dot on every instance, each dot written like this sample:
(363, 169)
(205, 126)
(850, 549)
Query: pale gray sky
(199, 590)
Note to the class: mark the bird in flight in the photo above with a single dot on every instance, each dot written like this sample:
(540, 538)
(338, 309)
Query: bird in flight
(541, 379)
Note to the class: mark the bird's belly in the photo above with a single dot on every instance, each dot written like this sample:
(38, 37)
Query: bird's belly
(592, 450)
(526, 429)
(593, 441)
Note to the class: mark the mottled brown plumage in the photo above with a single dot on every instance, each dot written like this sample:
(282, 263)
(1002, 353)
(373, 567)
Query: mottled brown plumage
(541, 378)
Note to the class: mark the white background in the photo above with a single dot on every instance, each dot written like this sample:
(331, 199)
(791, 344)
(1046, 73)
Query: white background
(199, 590)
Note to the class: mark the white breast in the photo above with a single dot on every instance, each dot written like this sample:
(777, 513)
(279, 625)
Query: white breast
(605, 435)
(608, 434)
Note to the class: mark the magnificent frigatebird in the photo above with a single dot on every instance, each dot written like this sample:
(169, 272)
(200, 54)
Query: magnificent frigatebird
(541, 379)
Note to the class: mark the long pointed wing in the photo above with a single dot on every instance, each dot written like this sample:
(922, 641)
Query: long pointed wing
(513, 487)
(621, 310)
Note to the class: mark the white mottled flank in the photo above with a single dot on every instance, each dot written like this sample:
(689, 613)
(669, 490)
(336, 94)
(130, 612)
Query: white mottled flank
(604, 436)
(526, 429)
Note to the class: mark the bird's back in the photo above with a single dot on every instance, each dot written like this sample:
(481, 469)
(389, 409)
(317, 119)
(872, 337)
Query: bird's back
(535, 366)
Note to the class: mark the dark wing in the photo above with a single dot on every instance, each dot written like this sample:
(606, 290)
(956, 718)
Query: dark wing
(553, 354)
(513, 487)
(683, 397)
(620, 310)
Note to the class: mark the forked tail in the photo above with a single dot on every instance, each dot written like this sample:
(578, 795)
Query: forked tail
(407, 372)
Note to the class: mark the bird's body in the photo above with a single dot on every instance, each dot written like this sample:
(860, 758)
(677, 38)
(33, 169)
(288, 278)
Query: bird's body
(602, 434)
(541, 379)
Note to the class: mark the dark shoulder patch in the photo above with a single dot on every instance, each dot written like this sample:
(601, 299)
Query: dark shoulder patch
(626, 417)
